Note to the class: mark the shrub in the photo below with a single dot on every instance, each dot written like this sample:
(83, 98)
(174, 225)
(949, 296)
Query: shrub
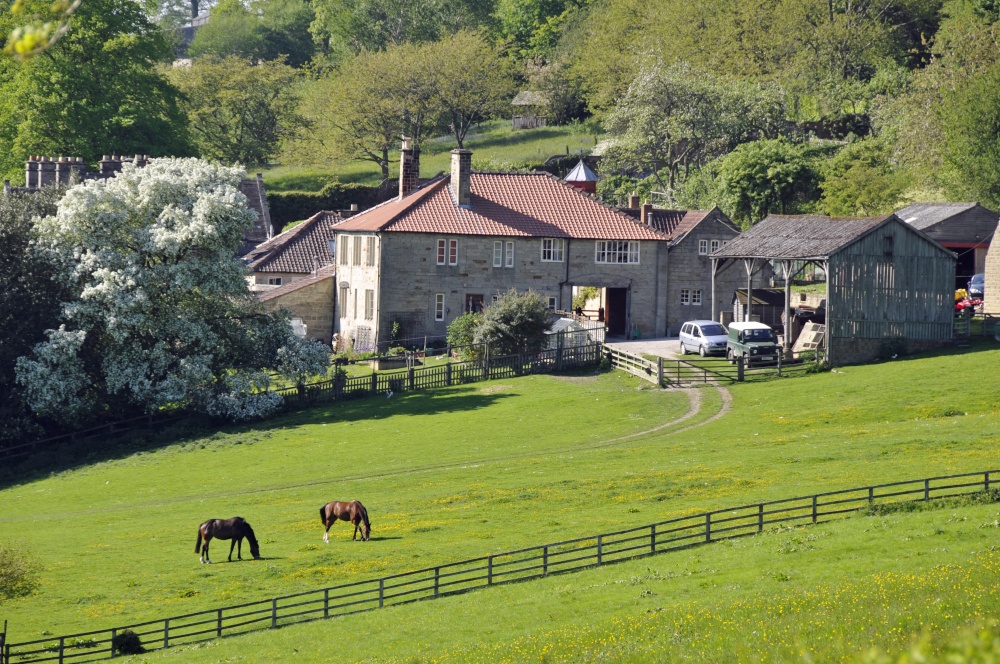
(462, 332)
(515, 323)
(127, 643)
(19, 572)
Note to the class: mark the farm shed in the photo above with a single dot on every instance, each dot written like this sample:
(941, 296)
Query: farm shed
(965, 228)
(530, 109)
(768, 306)
(885, 279)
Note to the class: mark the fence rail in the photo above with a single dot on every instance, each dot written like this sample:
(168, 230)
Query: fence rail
(667, 373)
(519, 565)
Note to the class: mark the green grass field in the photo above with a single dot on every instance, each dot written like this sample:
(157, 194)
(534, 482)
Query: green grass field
(493, 144)
(499, 465)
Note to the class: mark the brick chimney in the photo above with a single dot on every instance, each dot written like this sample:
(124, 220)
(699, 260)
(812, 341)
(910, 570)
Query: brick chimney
(409, 168)
(645, 212)
(461, 171)
(633, 201)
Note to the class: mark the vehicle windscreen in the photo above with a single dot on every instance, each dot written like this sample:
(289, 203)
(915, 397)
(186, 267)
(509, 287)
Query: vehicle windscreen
(978, 280)
(757, 335)
(713, 330)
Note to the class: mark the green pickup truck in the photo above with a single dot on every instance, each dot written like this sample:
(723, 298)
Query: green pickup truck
(753, 341)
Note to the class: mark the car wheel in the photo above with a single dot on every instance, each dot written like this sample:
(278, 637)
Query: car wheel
(729, 356)
(684, 350)
(701, 351)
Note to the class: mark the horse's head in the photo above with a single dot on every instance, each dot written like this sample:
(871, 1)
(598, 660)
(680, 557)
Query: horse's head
(366, 530)
(252, 539)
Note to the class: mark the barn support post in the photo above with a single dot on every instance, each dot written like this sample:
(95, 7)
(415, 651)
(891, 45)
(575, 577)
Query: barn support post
(715, 268)
(749, 265)
(787, 265)
(829, 314)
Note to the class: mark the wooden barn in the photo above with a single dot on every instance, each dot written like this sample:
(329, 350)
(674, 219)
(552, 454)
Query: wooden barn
(888, 286)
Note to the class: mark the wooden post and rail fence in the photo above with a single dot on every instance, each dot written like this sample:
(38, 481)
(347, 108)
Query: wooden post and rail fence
(511, 566)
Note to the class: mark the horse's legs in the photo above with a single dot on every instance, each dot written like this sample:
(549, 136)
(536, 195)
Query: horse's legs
(326, 532)
(239, 549)
(357, 524)
(232, 545)
(206, 559)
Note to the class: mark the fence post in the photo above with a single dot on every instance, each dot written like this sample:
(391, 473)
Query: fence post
(814, 508)
(218, 623)
(489, 571)
(545, 561)
(381, 593)
(326, 602)
(652, 538)
(62, 646)
(708, 527)
(600, 549)
(659, 371)
(986, 483)
(437, 580)
(520, 365)
(274, 613)
(114, 634)
(559, 357)
(447, 374)
(739, 370)
(927, 489)
(166, 633)
(760, 518)
(374, 382)
(409, 373)
(871, 495)
(780, 353)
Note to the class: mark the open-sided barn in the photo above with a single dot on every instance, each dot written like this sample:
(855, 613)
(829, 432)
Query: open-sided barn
(887, 282)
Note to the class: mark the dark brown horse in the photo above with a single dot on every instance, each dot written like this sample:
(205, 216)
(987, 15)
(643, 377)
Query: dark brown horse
(353, 511)
(228, 529)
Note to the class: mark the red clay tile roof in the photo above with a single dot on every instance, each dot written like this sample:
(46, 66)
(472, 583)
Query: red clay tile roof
(328, 272)
(295, 249)
(511, 204)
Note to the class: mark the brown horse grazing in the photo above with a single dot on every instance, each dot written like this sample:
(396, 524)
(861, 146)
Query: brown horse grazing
(228, 529)
(353, 511)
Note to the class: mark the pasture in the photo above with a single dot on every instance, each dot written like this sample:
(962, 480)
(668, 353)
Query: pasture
(472, 470)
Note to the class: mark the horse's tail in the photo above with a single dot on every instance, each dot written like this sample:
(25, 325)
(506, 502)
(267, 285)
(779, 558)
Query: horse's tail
(197, 542)
(322, 515)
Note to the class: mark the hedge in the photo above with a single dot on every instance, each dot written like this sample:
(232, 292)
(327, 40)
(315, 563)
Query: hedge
(289, 206)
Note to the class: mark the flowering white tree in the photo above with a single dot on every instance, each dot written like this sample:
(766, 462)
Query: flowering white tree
(162, 313)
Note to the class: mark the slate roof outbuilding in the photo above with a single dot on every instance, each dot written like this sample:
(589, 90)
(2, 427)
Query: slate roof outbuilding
(503, 204)
(798, 236)
(328, 272)
(924, 215)
(297, 249)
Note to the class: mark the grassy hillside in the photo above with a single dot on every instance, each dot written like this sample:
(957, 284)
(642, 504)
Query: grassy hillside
(493, 144)
(512, 463)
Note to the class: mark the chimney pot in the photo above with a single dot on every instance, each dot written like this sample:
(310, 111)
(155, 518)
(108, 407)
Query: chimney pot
(644, 214)
(461, 175)
(354, 207)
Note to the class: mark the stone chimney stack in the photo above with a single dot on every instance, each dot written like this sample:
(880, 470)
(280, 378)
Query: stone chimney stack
(29, 173)
(47, 172)
(633, 201)
(645, 212)
(461, 171)
(409, 168)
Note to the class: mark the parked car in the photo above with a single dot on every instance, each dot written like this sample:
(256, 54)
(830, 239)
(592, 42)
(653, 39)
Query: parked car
(976, 286)
(753, 341)
(705, 337)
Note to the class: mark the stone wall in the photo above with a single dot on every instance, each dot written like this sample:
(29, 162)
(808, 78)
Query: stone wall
(991, 292)
(314, 304)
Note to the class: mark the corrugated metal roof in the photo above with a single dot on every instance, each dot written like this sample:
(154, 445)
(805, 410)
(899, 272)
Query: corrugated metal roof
(924, 215)
(511, 204)
(798, 236)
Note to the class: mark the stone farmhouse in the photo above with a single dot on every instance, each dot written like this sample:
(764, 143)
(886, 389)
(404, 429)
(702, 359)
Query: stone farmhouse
(454, 244)
(964, 228)
(63, 171)
(310, 300)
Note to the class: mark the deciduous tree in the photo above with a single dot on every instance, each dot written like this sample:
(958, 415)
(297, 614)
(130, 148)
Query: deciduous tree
(160, 311)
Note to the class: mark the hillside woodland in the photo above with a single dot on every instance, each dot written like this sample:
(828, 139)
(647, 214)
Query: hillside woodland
(844, 108)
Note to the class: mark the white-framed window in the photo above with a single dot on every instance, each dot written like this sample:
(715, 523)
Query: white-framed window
(439, 306)
(495, 299)
(356, 258)
(369, 304)
(452, 252)
(553, 302)
(702, 247)
(714, 246)
(498, 253)
(343, 250)
(442, 252)
(370, 250)
(333, 247)
(553, 250)
(696, 296)
(617, 251)
(685, 296)
(274, 281)
(509, 258)
(355, 303)
(345, 292)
